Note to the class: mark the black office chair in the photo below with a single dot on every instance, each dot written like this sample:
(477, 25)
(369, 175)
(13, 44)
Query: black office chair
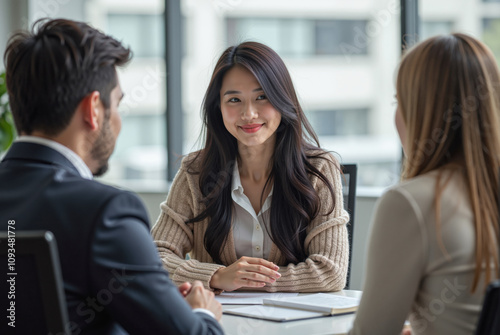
(35, 286)
(349, 179)
(489, 320)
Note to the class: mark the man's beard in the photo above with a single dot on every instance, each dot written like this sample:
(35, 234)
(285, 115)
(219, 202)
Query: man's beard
(103, 148)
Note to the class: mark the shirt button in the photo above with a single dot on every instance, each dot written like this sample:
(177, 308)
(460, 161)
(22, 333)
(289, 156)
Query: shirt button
(257, 248)
(257, 227)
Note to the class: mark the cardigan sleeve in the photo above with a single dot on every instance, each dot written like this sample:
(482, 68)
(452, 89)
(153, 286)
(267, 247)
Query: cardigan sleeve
(174, 238)
(326, 243)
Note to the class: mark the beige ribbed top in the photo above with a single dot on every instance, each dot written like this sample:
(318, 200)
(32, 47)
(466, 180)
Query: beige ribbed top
(408, 275)
(326, 242)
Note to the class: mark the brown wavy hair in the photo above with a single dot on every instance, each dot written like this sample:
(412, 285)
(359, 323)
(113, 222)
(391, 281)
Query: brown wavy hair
(448, 93)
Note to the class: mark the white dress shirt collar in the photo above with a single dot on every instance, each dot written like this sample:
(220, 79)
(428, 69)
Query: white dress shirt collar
(76, 160)
(238, 188)
(250, 229)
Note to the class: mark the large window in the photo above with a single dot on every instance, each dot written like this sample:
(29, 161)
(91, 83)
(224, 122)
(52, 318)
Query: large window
(296, 36)
(347, 122)
(491, 32)
(342, 56)
(482, 21)
(332, 36)
(430, 28)
(144, 33)
(139, 160)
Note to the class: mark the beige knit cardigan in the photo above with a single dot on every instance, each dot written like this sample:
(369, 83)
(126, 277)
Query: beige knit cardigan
(326, 241)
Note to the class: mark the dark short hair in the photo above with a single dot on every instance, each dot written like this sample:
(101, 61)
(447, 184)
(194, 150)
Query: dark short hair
(52, 68)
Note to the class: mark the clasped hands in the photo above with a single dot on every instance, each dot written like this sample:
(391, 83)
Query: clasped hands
(198, 297)
(245, 272)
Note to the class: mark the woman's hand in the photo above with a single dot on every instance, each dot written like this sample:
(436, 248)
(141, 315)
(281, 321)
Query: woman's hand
(245, 272)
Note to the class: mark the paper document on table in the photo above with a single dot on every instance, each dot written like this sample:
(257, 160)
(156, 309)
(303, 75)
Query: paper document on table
(250, 298)
(297, 308)
(318, 302)
(273, 313)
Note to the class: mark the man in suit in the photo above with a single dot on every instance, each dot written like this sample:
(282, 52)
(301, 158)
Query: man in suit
(64, 94)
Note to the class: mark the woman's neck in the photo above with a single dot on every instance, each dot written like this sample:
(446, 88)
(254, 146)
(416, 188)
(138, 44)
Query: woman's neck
(254, 162)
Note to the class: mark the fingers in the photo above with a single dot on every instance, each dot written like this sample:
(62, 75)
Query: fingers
(245, 272)
(406, 330)
(260, 266)
(216, 308)
(196, 290)
(257, 269)
(198, 297)
(184, 288)
(251, 283)
(254, 276)
(197, 285)
(260, 261)
(265, 271)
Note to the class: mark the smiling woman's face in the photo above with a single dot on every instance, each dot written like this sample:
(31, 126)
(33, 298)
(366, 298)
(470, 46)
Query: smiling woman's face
(247, 113)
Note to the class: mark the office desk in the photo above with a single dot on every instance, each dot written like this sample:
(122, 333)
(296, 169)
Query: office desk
(340, 324)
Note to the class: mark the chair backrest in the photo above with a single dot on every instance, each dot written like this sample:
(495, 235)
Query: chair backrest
(32, 279)
(349, 179)
(489, 320)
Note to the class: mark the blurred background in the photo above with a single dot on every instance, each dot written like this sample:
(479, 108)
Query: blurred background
(342, 55)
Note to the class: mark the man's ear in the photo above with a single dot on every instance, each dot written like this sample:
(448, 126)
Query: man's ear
(90, 105)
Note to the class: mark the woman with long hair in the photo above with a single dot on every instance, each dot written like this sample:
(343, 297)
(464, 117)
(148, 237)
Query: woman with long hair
(433, 244)
(260, 206)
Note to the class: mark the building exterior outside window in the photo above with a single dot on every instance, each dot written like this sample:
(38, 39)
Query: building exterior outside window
(342, 56)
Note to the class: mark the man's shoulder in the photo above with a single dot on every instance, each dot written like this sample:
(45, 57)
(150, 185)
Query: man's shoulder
(100, 190)
(101, 200)
(56, 180)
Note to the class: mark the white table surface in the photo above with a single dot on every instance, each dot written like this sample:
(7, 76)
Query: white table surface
(336, 324)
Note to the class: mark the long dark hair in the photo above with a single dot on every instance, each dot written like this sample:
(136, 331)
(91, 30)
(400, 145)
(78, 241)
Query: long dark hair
(295, 203)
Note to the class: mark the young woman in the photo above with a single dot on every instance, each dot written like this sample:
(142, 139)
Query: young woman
(433, 246)
(260, 206)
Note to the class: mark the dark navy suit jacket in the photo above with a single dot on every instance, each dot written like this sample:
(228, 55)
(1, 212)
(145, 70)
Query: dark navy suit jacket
(113, 276)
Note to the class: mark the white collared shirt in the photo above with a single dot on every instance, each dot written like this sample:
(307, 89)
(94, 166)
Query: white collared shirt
(251, 238)
(76, 160)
